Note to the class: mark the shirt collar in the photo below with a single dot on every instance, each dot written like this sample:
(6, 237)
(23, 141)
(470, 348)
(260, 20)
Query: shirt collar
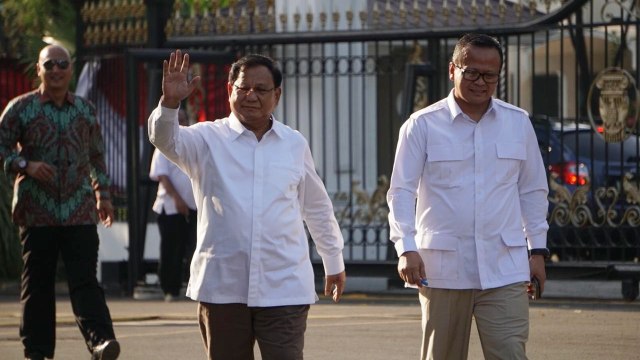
(277, 127)
(455, 110)
(44, 97)
(237, 127)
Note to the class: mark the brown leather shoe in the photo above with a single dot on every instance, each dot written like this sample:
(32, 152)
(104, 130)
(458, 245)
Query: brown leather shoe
(108, 350)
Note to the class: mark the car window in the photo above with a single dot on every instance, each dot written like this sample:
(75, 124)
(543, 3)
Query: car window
(549, 145)
(582, 142)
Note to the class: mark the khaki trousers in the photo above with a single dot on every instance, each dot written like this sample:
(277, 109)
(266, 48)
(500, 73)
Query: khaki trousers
(229, 331)
(501, 315)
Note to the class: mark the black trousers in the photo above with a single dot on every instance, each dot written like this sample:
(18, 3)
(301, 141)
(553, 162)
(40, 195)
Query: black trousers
(78, 247)
(177, 243)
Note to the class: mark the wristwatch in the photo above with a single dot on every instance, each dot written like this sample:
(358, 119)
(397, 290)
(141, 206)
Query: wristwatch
(541, 251)
(22, 164)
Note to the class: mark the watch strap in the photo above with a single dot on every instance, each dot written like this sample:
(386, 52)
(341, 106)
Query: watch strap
(540, 251)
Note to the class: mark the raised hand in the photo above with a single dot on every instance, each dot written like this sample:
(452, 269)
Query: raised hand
(176, 85)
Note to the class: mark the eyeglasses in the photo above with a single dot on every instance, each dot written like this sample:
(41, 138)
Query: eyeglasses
(246, 90)
(49, 64)
(473, 75)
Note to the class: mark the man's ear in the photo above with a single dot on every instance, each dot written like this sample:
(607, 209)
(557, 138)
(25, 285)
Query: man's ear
(452, 71)
(278, 91)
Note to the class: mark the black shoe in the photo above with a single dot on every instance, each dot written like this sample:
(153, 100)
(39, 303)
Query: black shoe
(108, 350)
(34, 356)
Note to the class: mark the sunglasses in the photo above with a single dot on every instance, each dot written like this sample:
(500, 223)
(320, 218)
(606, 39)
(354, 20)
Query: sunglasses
(49, 64)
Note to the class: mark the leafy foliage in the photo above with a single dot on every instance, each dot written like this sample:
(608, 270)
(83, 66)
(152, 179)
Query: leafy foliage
(31, 24)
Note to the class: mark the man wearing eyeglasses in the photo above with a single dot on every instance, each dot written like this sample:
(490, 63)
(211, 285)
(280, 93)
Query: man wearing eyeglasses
(50, 141)
(468, 199)
(255, 186)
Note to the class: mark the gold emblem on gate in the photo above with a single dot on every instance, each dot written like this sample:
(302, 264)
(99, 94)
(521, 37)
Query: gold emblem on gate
(613, 104)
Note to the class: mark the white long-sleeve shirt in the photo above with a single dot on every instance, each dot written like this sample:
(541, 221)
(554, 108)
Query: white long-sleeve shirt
(252, 198)
(481, 188)
(161, 166)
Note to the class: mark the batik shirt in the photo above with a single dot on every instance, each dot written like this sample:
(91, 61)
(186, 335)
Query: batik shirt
(66, 137)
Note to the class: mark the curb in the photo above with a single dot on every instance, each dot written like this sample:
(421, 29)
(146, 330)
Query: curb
(556, 289)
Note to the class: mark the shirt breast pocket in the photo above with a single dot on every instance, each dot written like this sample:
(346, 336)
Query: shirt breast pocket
(509, 156)
(444, 165)
(285, 179)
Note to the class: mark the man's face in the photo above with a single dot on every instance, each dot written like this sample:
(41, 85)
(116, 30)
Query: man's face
(474, 95)
(54, 69)
(253, 96)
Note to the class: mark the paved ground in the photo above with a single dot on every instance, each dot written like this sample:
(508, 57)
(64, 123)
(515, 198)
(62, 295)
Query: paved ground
(567, 325)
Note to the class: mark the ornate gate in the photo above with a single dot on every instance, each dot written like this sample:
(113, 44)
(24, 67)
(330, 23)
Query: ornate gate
(355, 70)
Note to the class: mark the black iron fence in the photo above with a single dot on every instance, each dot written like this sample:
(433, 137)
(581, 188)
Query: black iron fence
(350, 98)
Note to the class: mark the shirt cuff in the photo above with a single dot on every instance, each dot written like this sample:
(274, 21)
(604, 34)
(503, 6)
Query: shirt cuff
(406, 244)
(537, 241)
(8, 163)
(103, 195)
(167, 114)
(333, 265)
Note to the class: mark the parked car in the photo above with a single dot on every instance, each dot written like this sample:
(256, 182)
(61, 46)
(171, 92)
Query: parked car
(575, 155)
(579, 161)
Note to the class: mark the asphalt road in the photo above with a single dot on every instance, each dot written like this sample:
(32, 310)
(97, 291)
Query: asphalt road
(371, 327)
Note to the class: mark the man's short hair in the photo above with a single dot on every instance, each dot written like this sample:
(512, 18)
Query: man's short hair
(478, 40)
(253, 60)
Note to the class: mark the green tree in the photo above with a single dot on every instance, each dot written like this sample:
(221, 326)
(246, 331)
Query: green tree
(31, 24)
